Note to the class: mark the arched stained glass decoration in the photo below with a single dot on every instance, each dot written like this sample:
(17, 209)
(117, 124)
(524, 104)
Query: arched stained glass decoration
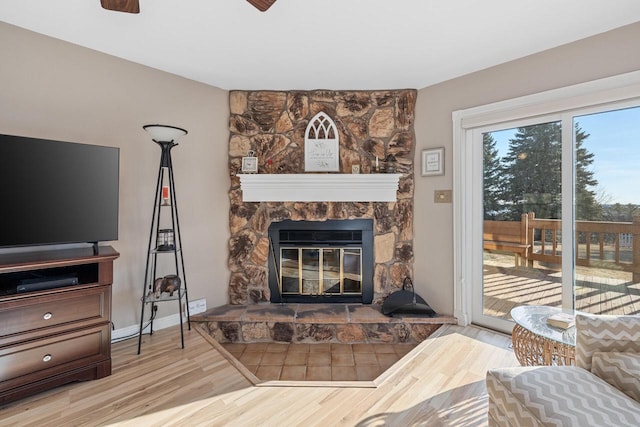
(321, 145)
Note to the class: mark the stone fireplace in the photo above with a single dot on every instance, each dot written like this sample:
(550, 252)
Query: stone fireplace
(370, 124)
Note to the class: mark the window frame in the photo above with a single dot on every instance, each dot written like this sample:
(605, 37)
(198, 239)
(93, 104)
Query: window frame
(615, 92)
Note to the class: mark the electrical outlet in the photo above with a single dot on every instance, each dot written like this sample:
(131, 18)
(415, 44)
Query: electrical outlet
(197, 306)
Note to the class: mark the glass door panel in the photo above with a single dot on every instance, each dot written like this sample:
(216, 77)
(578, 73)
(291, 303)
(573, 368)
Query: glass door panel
(310, 262)
(353, 270)
(331, 271)
(607, 211)
(522, 211)
(289, 270)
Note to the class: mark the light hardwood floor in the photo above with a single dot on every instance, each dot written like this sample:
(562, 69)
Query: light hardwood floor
(167, 386)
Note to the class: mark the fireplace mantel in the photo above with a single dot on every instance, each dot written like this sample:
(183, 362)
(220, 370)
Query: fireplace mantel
(319, 187)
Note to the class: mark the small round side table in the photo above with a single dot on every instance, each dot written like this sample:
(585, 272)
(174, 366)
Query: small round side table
(537, 343)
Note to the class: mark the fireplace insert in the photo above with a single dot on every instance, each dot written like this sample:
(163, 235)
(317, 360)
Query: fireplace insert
(321, 261)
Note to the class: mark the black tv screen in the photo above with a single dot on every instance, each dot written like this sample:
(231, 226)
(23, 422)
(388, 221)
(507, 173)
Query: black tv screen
(54, 192)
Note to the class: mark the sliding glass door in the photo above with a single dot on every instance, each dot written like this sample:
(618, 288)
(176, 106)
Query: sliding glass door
(559, 209)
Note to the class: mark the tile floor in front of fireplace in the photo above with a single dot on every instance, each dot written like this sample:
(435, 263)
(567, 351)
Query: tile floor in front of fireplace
(317, 362)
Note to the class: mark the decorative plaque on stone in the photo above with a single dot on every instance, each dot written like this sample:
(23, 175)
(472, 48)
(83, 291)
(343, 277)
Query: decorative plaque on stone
(321, 145)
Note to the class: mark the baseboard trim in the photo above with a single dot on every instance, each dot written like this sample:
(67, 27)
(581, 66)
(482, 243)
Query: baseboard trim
(132, 331)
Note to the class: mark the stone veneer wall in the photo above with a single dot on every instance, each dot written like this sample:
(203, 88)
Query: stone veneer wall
(273, 124)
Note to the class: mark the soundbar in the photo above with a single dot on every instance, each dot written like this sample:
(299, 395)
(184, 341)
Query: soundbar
(41, 283)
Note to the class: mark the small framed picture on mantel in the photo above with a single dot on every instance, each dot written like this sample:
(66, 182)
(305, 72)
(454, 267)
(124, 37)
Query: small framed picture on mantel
(433, 162)
(250, 163)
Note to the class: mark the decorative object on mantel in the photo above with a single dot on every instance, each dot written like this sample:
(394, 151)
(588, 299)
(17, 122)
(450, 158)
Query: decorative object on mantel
(268, 166)
(433, 162)
(390, 164)
(319, 187)
(250, 163)
(321, 145)
(166, 241)
(376, 166)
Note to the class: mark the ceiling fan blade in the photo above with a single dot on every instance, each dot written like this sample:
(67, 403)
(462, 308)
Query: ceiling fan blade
(262, 5)
(128, 6)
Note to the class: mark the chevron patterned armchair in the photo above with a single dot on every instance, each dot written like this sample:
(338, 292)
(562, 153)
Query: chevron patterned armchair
(603, 389)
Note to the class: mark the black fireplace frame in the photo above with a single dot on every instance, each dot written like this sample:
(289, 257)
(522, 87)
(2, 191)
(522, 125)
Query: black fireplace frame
(363, 225)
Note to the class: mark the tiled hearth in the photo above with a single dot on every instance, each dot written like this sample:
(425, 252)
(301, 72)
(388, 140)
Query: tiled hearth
(314, 323)
(308, 343)
(317, 362)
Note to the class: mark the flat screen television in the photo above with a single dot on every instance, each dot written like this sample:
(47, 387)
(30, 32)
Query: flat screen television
(54, 192)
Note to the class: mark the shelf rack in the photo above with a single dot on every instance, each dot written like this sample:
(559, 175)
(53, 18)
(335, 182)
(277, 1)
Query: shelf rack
(161, 208)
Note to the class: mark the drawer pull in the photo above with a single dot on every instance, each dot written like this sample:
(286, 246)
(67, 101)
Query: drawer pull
(47, 358)
(47, 315)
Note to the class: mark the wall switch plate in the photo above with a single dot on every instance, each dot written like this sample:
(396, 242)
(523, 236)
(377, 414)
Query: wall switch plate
(197, 306)
(442, 196)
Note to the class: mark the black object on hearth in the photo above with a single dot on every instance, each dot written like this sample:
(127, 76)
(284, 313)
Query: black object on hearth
(406, 302)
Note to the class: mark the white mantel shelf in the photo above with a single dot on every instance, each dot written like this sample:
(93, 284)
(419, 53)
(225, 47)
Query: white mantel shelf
(315, 187)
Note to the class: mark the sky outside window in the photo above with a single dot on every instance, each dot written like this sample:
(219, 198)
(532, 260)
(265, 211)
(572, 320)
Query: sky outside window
(614, 139)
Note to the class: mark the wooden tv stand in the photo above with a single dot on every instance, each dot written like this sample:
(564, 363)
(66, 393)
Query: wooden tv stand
(54, 336)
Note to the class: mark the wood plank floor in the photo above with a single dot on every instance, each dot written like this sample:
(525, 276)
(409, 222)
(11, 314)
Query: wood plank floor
(167, 386)
(506, 287)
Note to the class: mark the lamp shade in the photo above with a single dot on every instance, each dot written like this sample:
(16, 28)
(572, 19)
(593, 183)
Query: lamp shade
(164, 133)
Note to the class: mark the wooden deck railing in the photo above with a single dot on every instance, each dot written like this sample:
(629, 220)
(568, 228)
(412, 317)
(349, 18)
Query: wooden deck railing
(508, 236)
(598, 243)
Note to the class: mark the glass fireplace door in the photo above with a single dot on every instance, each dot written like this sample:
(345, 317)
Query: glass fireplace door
(321, 271)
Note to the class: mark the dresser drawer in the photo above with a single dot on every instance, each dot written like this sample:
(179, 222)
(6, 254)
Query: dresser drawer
(32, 313)
(47, 356)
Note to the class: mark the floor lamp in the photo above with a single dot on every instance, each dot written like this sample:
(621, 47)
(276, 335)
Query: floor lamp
(166, 240)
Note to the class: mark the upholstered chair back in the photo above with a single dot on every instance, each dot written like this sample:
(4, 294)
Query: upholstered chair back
(600, 333)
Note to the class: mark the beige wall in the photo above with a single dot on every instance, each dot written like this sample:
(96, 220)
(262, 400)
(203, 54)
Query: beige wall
(52, 89)
(607, 54)
(56, 90)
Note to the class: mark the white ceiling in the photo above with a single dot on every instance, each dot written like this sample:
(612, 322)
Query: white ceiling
(322, 44)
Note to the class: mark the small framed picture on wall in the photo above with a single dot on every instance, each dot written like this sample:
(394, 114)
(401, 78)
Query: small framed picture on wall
(433, 162)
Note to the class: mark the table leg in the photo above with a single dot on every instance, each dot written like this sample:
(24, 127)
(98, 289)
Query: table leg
(534, 350)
